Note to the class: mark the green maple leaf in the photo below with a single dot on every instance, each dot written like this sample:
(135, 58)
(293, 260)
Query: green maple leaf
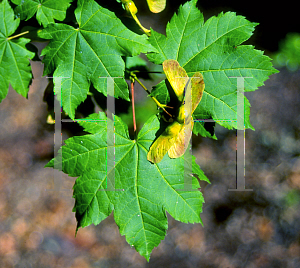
(90, 53)
(213, 49)
(14, 57)
(144, 190)
(46, 10)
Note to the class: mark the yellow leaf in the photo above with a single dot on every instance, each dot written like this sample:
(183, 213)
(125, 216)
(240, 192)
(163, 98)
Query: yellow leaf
(164, 142)
(182, 141)
(176, 137)
(156, 6)
(193, 95)
(175, 73)
(197, 89)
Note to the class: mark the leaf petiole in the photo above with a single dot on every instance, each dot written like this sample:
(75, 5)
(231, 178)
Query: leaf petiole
(146, 31)
(162, 106)
(131, 8)
(133, 109)
(17, 35)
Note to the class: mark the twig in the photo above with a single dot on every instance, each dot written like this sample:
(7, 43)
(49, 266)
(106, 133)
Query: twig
(155, 100)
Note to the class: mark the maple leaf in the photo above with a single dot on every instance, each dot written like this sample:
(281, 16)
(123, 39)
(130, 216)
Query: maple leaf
(213, 49)
(46, 10)
(90, 53)
(14, 57)
(143, 191)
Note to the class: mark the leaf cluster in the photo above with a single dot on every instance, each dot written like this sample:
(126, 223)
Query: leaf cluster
(87, 44)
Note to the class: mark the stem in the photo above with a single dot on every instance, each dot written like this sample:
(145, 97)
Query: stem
(146, 31)
(131, 8)
(149, 72)
(162, 106)
(133, 110)
(15, 36)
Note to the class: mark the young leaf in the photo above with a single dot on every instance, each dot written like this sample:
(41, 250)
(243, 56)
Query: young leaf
(14, 57)
(46, 10)
(214, 50)
(182, 140)
(193, 95)
(90, 53)
(143, 191)
(175, 73)
(164, 142)
(175, 139)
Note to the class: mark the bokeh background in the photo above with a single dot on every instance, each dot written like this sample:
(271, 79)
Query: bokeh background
(241, 229)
